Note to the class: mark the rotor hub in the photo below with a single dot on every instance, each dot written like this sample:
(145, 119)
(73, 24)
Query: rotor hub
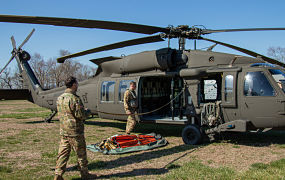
(184, 31)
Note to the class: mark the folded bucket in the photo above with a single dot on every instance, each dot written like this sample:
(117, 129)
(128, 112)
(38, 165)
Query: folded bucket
(119, 144)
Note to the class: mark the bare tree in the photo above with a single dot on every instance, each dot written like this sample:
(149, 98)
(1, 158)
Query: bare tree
(40, 68)
(277, 52)
(6, 81)
(49, 73)
(52, 74)
(17, 80)
(85, 72)
(72, 68)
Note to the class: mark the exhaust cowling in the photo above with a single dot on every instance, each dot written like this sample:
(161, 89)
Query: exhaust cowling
(163, 59)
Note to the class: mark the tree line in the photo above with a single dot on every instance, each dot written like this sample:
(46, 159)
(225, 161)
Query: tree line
(49, 73)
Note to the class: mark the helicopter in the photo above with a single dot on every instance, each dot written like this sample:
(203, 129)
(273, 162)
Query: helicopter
(207, 92)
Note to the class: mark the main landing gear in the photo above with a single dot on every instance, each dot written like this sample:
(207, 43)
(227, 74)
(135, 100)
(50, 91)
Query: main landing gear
(192, 134)
(49, 118)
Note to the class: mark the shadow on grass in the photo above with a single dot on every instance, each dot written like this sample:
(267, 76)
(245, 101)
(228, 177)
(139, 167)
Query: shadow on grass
(136, 172)
(253, 138)
(42, 121)
(133, 173)
(137, 158)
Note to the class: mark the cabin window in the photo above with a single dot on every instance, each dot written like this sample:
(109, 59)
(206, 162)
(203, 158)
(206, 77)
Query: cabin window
(256, 84)
(107, 91)
(229, 86)
(124, 85)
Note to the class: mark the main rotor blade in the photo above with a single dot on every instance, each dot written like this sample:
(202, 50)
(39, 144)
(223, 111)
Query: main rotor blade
(208, 31)
(122, 44)
(7, 64)
(13, 42)
(83, 23)
(27, 38)
(246, 51)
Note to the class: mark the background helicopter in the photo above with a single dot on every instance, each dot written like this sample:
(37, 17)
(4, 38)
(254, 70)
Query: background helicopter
(207, 91)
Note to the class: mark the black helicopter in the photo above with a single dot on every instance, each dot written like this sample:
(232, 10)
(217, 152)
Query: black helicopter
(208, 92)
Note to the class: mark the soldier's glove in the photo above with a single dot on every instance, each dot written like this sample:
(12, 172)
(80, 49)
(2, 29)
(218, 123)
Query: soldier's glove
(88, 112)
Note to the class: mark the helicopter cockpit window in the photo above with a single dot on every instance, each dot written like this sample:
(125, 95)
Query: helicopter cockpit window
(278, 76)
(107, 91)
(229, 86)
(124, 85)
(256, 84)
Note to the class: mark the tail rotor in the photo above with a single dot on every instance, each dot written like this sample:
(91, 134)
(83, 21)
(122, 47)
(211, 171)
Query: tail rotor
(18, 51)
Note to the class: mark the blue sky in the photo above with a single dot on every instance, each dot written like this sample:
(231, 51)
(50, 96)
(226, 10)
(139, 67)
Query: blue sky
(219, 14)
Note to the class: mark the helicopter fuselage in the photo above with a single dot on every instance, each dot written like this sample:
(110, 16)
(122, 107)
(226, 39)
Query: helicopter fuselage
(208, 89)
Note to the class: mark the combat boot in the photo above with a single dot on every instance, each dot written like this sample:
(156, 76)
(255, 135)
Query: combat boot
(58, 177)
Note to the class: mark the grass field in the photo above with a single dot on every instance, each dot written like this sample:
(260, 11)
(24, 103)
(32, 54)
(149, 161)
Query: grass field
(28, 150)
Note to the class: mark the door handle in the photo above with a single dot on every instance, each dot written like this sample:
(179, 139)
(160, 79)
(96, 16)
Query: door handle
(246, 104)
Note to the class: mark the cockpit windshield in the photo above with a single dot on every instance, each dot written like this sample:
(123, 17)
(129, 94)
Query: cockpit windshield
(279, 77)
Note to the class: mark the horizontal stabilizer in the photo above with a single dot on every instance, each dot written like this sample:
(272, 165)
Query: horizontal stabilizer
(14, 94)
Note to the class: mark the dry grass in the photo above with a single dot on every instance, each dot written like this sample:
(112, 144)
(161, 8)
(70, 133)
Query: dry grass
(28, 149)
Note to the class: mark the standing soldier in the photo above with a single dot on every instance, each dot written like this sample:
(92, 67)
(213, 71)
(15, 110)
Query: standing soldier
(130, 105)
(72, 115)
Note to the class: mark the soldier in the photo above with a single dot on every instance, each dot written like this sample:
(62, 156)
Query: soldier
(130, 105)
(72, 115)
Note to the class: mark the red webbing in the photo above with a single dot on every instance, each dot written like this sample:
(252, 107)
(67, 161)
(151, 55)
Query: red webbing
(132, 140)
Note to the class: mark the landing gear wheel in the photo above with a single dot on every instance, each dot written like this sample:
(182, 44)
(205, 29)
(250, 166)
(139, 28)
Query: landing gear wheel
(191, 135)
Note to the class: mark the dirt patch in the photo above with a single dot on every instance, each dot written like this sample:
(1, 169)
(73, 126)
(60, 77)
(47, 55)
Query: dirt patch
(239, 157)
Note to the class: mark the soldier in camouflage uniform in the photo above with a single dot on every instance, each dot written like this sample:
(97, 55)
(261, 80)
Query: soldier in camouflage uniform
(71, 114)
(130, 105)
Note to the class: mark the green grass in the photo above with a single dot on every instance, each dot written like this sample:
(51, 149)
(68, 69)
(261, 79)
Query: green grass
(4, 169)
(274, 170)
(13, 140)
(236, 146)
(196, 170)
(49, 154)
(25, 115)
(32, 109)
(22, 137)
(280, 146)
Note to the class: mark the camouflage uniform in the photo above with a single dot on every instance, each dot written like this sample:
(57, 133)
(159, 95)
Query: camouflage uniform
(129, 96)
(72, 115)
